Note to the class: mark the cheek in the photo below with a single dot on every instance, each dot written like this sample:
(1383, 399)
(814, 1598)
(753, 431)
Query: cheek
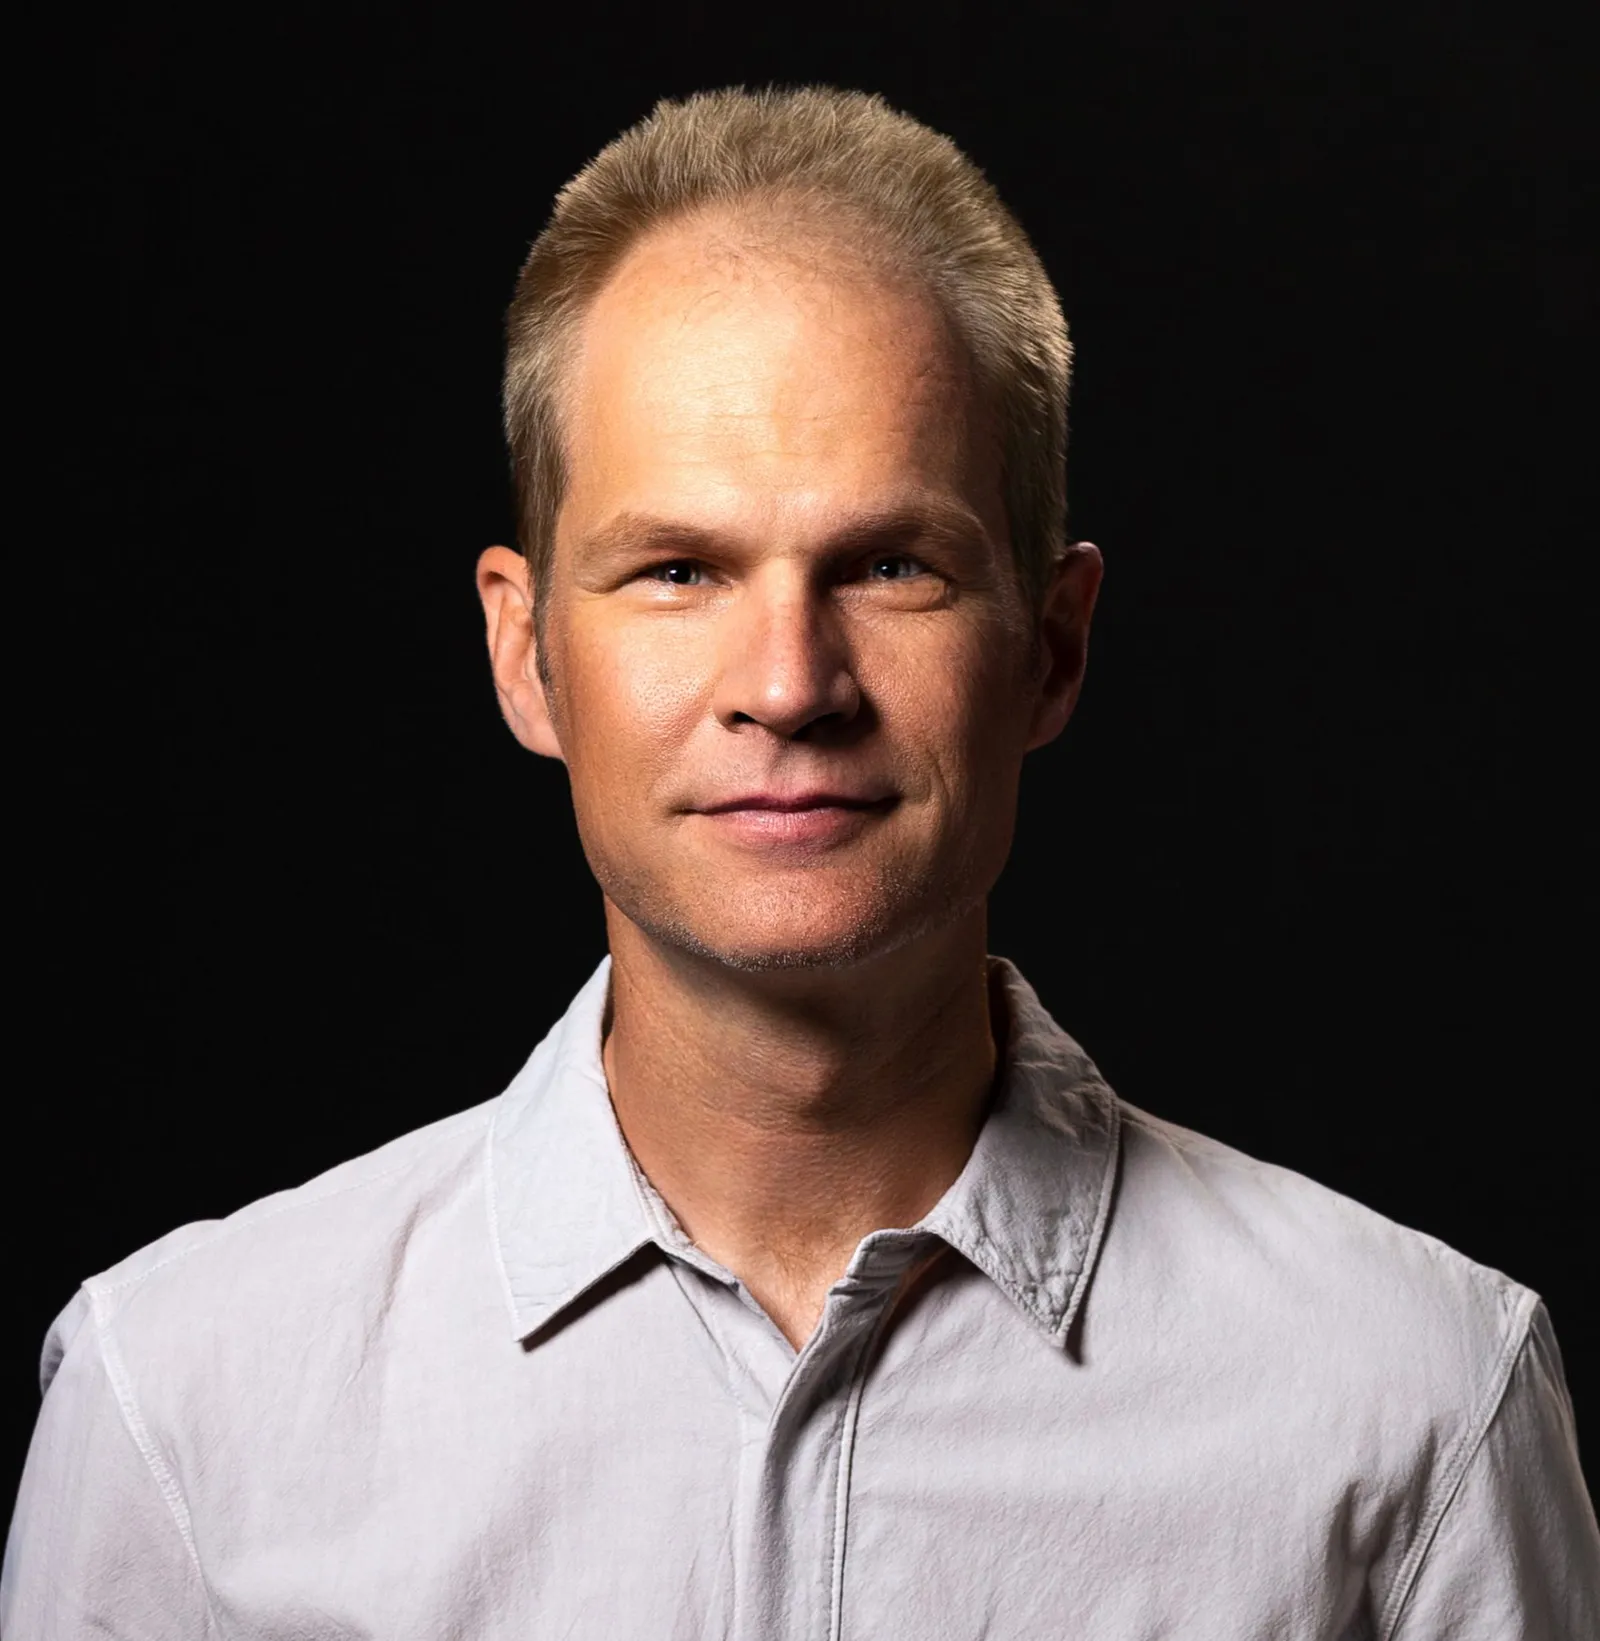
(955, 708)
(633, 693)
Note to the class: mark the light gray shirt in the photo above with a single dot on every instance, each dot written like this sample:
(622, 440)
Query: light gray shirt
(1120, 1383)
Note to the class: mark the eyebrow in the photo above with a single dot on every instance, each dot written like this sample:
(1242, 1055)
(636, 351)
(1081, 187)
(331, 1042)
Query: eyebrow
(633, 534)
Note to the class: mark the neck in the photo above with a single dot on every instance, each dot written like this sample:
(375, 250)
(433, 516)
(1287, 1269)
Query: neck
(784, 1115)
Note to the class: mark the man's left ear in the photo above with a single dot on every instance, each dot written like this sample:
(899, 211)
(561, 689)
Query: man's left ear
(1064, 639)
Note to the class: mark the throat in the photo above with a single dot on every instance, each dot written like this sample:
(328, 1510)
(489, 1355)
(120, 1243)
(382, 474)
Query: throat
(780, 1130)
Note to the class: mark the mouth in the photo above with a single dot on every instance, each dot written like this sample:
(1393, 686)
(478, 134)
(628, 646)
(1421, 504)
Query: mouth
(795, 803)
(785, 820)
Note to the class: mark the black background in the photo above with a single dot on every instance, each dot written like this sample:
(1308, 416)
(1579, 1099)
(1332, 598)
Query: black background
(1303, 872)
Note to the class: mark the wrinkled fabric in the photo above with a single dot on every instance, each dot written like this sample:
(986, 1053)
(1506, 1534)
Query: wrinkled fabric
(1121, 1382)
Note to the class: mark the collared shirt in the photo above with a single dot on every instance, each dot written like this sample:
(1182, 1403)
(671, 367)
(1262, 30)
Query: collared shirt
(1121, 1382)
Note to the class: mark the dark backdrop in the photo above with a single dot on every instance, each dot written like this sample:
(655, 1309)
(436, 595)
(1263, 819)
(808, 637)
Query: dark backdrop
(1300, 874)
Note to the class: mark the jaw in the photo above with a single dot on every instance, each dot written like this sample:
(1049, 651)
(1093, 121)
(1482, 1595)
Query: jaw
(835, 910)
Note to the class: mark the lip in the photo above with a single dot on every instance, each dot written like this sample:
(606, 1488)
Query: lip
(791, 803)
(770, 820)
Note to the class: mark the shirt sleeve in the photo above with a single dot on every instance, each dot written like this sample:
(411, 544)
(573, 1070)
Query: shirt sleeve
(1515, 1555)
(99, 1539)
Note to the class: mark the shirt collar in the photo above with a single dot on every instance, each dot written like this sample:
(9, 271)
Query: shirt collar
(568, 1203)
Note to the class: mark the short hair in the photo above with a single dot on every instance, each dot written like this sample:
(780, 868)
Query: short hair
(913, 202)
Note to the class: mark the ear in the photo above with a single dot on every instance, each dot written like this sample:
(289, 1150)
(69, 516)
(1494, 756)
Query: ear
(505, 587)
(1064, 639)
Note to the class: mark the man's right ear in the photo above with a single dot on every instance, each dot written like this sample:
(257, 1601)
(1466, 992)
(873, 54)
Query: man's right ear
(505, 587)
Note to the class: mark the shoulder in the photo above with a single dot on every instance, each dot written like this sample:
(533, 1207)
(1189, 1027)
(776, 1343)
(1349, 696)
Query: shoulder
(1347, 1296)
(288, 1262)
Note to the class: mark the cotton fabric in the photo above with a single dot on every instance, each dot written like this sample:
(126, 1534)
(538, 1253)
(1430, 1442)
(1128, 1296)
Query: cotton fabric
(1121, 1382)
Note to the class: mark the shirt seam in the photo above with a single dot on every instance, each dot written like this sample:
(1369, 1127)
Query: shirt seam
(160, 1471)
(1467, 1447)
(1109, 1176)
(492, 1197)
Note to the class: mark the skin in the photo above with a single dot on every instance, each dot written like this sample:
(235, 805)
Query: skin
(782, 572)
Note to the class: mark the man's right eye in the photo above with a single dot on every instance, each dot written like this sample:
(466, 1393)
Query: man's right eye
(677, 572)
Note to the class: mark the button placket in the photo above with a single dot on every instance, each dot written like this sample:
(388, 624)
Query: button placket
(792, 1498)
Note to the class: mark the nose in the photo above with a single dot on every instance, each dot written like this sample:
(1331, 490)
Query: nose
(785, 660)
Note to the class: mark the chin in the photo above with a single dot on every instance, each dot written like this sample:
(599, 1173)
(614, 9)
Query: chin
(767, 955)
(764, 937)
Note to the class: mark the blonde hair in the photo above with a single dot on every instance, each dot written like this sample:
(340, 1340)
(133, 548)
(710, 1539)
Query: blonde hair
(927, 212)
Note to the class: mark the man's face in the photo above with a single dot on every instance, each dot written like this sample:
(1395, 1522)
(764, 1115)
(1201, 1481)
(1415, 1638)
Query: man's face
(792, 670)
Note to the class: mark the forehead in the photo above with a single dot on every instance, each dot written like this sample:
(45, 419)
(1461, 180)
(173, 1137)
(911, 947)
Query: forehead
(727, 368)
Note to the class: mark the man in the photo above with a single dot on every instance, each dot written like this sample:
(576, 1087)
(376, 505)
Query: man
(808, 1282)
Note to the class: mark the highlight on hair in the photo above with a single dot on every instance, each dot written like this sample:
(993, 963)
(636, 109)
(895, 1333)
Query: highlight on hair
(908, 199)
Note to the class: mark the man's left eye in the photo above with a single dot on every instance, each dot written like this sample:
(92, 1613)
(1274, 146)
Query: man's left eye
(895, 567)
